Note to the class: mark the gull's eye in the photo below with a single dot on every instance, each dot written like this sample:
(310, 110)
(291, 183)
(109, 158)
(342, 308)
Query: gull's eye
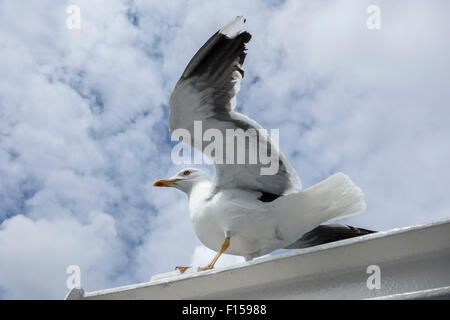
(186, 173)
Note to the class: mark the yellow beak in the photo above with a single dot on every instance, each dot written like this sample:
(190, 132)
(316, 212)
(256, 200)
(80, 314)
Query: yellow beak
(164, 182)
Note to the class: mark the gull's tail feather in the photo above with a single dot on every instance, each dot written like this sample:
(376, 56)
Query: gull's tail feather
(335, 197)
(328, 233)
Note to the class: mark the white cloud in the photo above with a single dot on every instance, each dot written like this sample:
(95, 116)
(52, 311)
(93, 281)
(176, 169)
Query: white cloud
(83, 124)
(35, 254)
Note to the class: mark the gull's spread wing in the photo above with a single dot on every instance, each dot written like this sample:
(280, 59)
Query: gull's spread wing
(206, 92)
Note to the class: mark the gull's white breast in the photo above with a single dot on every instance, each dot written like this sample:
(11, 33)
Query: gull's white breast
(252, 224)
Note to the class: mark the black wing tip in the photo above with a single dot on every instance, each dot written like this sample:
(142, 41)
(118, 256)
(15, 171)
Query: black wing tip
(327, 233)
(361, 230)
(243, 37)
(219, 47)
(246, 36)
(233, 28)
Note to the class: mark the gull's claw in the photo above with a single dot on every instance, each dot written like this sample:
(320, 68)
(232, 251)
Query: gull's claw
(182, 268)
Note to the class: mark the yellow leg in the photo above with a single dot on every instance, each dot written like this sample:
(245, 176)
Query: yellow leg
(224, 247)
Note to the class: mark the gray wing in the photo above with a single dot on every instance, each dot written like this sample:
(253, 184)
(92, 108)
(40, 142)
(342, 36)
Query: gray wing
(206, 92)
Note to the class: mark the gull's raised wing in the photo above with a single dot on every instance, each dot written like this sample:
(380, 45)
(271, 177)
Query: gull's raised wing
(206, 92)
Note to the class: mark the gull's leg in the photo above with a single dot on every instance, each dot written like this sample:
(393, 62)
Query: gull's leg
(224, 247)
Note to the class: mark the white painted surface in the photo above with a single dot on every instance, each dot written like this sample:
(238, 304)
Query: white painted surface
(414, 262)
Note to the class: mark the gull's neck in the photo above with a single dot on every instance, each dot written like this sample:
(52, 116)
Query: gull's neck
(200, 193)
(200, 190)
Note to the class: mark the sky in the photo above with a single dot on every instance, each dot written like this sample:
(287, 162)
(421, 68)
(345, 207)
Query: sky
(84, 124)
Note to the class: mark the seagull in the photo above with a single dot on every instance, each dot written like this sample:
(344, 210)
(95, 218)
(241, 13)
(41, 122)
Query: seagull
(242, 211)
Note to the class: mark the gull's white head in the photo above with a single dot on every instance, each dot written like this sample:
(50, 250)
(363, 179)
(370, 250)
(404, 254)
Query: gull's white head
(184, 180)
